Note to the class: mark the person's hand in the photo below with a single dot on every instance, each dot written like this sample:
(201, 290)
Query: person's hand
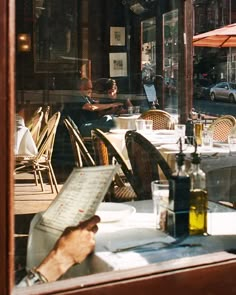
(74, 245)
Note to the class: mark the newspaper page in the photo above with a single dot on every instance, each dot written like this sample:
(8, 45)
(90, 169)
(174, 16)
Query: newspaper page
(78, 199)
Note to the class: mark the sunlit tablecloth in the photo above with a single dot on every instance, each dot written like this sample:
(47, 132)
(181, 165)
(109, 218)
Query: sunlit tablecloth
(218, 164)
(24, 143)
(136, 229)
(127, 121)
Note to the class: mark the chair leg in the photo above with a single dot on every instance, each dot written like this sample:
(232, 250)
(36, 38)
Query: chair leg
(50, 179)
(53, 177)
(37, 169)
(36, 178)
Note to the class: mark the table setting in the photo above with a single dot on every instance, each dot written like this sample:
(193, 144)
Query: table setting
(131, 239)
(24, 143)
(217, 160)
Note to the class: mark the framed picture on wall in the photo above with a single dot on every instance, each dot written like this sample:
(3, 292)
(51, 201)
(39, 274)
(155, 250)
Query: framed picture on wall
(118, 64)
(117, 36)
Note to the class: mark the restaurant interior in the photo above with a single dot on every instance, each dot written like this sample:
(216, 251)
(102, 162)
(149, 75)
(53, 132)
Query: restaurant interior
(54, 168)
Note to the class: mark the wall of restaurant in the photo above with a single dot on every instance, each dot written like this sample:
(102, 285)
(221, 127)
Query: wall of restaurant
(94, 19)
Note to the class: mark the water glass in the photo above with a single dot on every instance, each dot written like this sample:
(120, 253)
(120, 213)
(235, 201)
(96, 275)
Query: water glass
(140, 124)
(232, 144)
(137, 109)
(207, 139)
(160, 195)
(148, 126)
(130, 110)
(180, 130)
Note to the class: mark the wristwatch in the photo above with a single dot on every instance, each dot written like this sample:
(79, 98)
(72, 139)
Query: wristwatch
(34, 277)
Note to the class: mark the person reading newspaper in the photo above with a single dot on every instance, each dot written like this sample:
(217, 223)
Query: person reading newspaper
(73, 246)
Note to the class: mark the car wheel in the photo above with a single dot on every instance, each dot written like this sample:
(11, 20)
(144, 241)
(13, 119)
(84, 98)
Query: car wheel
(212, 96)
(231, 98)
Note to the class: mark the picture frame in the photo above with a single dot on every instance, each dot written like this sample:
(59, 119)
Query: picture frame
(55, 47)
(118, 64)
(117, 36)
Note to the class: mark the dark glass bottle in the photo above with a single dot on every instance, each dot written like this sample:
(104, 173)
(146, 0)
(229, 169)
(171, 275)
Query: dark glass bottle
(198, 198)
(190, 129)
(179, 185)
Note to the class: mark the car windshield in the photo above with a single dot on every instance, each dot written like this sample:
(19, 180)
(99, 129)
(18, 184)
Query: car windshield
(232, 85)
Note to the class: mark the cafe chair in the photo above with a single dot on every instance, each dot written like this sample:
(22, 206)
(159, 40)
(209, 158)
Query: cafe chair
(222, 127)
(146, 162)
(161, 119)
(81, 154)
(30, 121)
(106, 154)
(42, 161)
(35, 126)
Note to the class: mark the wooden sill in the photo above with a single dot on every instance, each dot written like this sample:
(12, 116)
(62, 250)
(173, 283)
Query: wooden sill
(212, 264)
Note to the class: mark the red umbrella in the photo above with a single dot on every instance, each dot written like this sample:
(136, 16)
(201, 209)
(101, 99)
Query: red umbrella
(222, 37)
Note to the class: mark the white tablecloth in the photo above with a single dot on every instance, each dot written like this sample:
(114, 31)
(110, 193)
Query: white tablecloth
(218, 164)
(136, 229)
(24, 143)
(127, 121)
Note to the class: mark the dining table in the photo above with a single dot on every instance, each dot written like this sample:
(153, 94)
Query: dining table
(126, 121)
(127, 238)
(23, 142)
(216, 161)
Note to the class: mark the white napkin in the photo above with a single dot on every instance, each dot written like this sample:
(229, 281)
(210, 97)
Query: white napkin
(128, 238)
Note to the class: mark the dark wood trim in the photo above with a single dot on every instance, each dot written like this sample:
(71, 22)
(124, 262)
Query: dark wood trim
(213, 272)
(7, 54)
(189, 57)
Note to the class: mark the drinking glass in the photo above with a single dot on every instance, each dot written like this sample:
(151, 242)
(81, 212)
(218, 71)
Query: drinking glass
(148, 126)
(207, 139)
(130, 110)
(137, 109)
(140, 125)
(160, 195)
(232, 144)
(180, 130)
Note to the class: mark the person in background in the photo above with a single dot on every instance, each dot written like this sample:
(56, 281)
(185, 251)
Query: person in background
(107, 91)
(88, 113)
(74, 245)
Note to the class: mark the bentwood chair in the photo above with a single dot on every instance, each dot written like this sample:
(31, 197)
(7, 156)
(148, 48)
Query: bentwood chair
(145, 161)
(42, 161)
(222, 127)
(106, 154)
(35, 126)
(161, 119)
(30, 122)
(81, 154)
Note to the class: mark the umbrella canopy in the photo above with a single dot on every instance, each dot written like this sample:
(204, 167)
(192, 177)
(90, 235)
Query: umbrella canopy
(222, 37)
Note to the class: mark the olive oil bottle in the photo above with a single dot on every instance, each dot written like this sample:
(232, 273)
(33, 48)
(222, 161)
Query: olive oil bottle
(198, 198)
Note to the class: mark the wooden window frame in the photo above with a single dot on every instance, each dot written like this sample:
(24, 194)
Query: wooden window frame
(214, 272)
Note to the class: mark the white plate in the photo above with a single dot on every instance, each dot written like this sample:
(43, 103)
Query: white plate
(118, 131)
(111, 212)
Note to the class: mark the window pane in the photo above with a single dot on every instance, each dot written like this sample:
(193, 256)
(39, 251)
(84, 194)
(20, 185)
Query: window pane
(103, 64)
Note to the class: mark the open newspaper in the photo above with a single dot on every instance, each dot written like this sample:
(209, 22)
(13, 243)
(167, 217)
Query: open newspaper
(78, 199)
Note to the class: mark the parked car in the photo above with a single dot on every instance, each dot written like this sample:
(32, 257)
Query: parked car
(201, 88)
(224, 91)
